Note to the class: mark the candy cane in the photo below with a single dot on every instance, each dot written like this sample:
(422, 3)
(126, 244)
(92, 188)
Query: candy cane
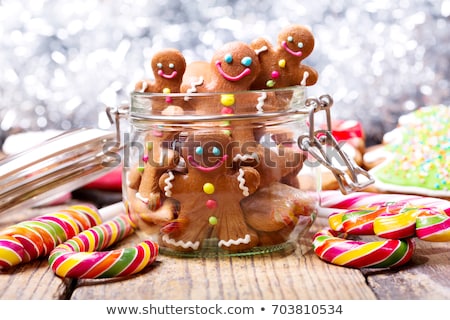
(335, 199)
(80, 257)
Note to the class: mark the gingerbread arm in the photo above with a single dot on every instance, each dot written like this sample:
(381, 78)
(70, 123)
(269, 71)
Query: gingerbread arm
(307, 75)
(248, 179)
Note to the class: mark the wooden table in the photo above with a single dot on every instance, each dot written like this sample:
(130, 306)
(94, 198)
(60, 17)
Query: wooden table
(300, 275)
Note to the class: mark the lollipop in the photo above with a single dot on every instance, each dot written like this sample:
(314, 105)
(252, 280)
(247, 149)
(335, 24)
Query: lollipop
(11, 252)
(397, 218)
(393, 221)
(433, 226)
(358, 254)
(37, 237)
(80, 257)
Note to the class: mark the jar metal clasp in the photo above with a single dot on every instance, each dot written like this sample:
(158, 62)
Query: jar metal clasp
(114, 116)
(351, 177)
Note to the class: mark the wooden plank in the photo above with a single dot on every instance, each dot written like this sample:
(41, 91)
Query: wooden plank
(33, 281)
(300, 275)
(427, 276)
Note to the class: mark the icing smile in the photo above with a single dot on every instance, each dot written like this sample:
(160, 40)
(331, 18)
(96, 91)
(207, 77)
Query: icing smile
(197, 165)
(244, 73)
(294, 53)
(167, 76)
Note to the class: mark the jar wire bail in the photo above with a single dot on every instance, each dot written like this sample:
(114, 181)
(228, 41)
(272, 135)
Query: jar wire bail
(352, 178)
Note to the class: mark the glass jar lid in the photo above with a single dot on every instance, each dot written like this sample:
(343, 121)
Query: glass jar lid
(58, 165)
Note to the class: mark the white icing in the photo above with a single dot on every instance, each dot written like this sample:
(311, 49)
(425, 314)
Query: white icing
(140, 197)
(235, 242)
(241, 181)
(181, 243)
(262, 49)
(245, 157)
(193, 88)
(261, 100)
(168, 183)
(144, 86)
(305, 77)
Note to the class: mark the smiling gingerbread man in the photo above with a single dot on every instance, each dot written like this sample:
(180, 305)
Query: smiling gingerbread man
(209, 196)
(281, 65)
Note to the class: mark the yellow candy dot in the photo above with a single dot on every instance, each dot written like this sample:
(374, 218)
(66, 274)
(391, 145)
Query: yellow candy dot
(208, 188)
(282, 63)
(166, 90)
(227, 99)
(225, 123)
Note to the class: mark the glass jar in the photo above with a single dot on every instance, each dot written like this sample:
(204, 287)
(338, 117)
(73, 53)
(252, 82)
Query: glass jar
(220, 174)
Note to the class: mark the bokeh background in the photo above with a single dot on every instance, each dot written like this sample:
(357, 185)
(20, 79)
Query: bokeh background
(62, 62)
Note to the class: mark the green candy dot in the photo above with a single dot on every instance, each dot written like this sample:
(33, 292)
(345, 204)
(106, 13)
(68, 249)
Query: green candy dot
(212, 220)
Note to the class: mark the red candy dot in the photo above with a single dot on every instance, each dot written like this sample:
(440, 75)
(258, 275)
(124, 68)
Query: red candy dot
(226, 110)
(275, 74)
(211, 204)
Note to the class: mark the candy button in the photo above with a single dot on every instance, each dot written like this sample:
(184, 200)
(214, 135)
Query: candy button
(211, 204)
(226, 110)
(208, 188)
(227, 99)
(212, 220)
(270, 83)
(282, 63)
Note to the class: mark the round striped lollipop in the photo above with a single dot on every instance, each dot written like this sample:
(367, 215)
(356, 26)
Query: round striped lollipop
(393, 221)
(80, 257)
(397, 218)
(358, 254)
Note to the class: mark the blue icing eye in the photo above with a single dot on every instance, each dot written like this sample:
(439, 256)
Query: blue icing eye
(199, 150)
(228, 58)
(215, 151)
(290, 39)
(159, 65)
(300, 45)
(171, 65)
(246, 61)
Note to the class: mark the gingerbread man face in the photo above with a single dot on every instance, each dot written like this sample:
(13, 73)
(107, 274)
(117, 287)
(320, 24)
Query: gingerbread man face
(232, 68)
(207, 153)
(297, 41)
(168, 68)
(237, 64)
(281, 66)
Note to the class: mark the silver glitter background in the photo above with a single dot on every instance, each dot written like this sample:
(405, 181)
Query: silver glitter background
(63, 61)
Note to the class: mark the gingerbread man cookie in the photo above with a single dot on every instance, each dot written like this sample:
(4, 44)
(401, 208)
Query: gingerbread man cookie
(168, 67)
(281, 66)
(275, 210)
(146, 199)
(209, 196)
